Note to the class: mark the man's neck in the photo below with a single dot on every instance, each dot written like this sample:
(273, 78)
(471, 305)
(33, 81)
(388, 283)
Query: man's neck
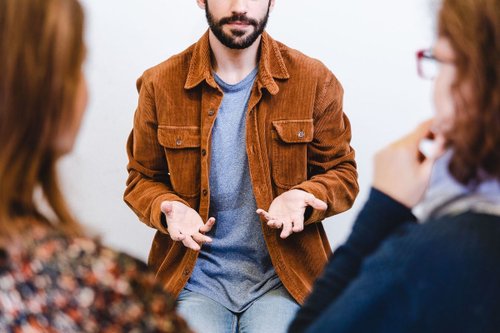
(233, 65)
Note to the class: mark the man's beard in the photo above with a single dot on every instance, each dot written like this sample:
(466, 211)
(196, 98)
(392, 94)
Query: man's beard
(233, 40)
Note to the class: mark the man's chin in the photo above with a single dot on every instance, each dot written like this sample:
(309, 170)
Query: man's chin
(237, 39)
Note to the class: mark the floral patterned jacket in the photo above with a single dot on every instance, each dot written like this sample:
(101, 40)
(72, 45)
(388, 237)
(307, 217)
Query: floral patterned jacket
(53, 283)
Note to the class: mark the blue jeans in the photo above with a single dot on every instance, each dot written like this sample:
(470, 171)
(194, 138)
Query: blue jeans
(270, 313)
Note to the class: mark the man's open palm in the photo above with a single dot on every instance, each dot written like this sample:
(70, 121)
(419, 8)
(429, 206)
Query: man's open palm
(287, 211)
(185, 224)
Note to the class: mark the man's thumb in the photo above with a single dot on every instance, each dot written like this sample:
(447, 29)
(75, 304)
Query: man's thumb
(316, 203)
(166, 207)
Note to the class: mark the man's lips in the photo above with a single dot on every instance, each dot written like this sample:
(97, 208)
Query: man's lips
(239, 23)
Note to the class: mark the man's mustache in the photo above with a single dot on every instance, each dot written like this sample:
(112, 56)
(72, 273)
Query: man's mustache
(238, 18)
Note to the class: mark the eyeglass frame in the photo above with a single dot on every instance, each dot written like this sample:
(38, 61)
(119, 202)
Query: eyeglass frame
(429, 55)
(424, 54)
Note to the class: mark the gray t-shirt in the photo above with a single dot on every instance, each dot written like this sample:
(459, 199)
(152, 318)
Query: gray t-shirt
(235, 269)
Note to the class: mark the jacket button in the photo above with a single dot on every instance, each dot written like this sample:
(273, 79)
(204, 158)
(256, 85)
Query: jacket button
(178, 142)
(211, 112)
(301, 134)
(185, 272)
(205, 192)
(203, 152)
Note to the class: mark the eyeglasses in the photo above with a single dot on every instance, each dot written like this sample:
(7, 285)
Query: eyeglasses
(427, 64)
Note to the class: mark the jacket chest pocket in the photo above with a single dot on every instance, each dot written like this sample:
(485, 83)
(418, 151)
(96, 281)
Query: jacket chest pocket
(289, 151)
(182, 150)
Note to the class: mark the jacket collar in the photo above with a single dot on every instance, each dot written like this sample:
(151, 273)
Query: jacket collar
(271, 65)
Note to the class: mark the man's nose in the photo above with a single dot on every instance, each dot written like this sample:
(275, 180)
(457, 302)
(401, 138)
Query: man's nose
(239, 6)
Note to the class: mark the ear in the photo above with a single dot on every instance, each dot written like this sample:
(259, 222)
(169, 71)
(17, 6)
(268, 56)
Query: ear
(201, 3)
(271, 5)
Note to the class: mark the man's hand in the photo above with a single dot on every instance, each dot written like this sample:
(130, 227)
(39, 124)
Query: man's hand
(185, 224)
(287, 211)
(402, 171)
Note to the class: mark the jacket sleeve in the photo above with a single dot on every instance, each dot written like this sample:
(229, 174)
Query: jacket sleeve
(332, 175)
(378, 219)
(148, 183)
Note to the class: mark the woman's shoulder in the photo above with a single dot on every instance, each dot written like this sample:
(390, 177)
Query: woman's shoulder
(77, 284)
(448, 243)
(471, 228)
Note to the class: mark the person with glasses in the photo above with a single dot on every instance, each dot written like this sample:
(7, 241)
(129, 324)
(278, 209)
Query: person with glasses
(439, 272)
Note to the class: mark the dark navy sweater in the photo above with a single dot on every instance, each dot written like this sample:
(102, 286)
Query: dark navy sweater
(394, 275)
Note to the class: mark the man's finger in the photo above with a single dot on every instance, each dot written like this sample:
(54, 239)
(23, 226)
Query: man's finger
(208, 226)
(191, 244)
(201, 239)
(264, 214)
(298, 224)
(287, 229)
(315, 203)
(276, 224)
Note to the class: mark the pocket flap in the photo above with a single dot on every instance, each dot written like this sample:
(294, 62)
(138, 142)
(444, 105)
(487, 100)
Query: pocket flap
(179, 137)
(294, 131)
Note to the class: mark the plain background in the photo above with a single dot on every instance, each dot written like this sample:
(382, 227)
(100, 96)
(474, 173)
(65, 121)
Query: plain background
(369, 45)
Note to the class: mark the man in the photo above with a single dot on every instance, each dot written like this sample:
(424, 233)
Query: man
(235, 125)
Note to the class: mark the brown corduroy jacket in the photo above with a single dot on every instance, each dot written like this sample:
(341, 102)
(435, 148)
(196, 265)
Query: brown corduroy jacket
(297, 137)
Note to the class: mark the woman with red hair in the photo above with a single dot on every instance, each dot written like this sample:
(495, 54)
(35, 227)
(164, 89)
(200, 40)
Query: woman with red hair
(441, 272)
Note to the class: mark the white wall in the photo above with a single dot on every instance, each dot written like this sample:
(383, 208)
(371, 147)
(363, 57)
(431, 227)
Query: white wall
(370, 46)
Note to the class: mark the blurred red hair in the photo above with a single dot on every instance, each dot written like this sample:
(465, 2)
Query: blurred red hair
(473, 29)
(41, 54)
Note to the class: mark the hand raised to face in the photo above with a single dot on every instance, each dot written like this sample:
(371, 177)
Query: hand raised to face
(402, 171)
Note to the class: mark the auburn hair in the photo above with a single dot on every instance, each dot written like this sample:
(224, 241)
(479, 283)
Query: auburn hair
(473, 29)
(41, 54)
